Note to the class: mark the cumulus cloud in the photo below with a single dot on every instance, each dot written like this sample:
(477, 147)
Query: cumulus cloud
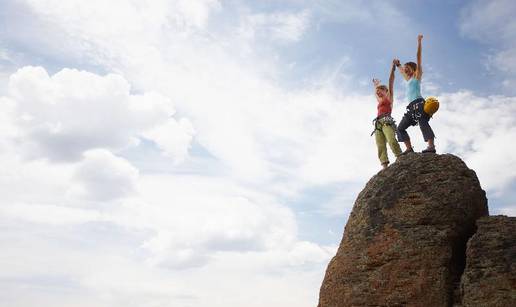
(240, 116)
(117, 277)
(169, 243)
(480, 130)
(103, 176)
(249, 224)
(63, 115)
(173, 137)
(190, 226)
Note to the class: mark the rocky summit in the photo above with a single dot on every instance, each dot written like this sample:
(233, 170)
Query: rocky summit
(406, 241)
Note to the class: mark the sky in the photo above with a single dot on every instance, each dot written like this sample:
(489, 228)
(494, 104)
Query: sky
(208, 152)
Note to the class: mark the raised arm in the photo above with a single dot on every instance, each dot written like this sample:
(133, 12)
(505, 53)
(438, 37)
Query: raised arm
(391, 79)
(419, 71)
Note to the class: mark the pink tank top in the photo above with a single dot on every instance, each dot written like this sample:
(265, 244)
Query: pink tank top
(384, 106)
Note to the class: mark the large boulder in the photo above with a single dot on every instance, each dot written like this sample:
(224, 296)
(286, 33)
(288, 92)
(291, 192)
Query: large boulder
(489, 279)
(405, 240)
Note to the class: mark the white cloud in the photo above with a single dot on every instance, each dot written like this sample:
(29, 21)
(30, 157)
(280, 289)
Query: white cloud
(480, 130)
(168, 244)
(8, 127)
(83, 276)
(173, 137)
(239, 113)
(306, 252)
(63, 115)
(160, 245)
(102, 176)
(224, 216)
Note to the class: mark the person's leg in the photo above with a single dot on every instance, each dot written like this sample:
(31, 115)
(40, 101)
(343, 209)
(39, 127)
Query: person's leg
(382, 147)
(389, 133)
(403, 136)
(428, 133)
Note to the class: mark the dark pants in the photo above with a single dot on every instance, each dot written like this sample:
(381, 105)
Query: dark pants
(415, 115)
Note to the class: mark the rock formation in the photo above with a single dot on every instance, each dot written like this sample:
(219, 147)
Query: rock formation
(490, 275)
(405, 240)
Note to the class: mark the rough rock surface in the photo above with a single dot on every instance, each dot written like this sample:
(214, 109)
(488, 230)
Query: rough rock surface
(490, 275)
(405, 239)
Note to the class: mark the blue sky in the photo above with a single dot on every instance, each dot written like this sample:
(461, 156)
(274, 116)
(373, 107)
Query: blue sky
(174, 153)
(460, 60)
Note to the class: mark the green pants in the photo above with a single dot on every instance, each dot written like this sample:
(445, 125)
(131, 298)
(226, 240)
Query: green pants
(385, 133)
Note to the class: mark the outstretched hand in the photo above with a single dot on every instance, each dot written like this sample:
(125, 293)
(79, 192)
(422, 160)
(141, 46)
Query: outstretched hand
(396, 62)
(420, 37)
(376, 82)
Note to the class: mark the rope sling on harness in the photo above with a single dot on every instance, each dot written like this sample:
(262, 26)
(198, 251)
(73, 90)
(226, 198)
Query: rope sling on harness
(384, 119)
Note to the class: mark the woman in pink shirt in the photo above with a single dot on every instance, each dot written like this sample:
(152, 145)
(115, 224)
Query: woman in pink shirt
(384, 124)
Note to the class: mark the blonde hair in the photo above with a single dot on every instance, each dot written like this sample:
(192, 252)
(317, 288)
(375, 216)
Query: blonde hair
(383, 87)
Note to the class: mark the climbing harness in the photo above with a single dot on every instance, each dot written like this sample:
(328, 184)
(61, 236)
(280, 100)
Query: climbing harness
(415, 109)
(384, 119)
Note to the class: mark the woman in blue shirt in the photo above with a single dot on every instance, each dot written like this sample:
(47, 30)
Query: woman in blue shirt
(415, 114)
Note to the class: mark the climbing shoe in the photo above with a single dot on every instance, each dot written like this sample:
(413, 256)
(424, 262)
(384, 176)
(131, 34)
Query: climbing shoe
(408, 150)
(428, 150)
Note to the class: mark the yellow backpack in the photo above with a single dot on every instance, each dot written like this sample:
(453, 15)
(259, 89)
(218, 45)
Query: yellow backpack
(431, 105)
